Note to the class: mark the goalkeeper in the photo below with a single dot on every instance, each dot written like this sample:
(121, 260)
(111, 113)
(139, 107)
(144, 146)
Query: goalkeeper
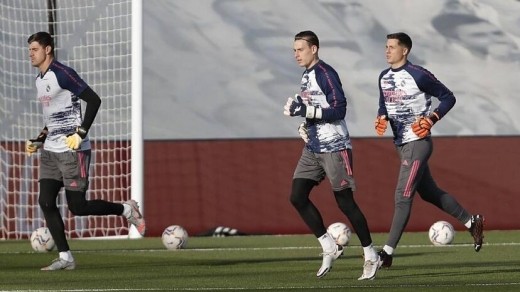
(327, 153)
(406, 92)
(65, 147)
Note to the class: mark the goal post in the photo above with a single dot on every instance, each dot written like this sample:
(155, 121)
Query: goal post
(137, 150)
(101, 40)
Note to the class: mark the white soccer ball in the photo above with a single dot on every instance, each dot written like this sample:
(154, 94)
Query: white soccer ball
(441, 233)
(174, 237)
(340, 233)
(41, 240)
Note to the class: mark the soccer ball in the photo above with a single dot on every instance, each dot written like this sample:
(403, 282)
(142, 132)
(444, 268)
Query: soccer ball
(340, 233)
(174, 237)
(41, 240)
(441, 233)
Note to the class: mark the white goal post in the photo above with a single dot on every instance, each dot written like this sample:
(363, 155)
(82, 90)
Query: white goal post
(102, 41)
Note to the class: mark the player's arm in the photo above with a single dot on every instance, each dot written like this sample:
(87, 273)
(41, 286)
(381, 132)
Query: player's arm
(330, 84)
(93, 103)
(432, 86)
(69, 79)
(381, 121)
(32, 145)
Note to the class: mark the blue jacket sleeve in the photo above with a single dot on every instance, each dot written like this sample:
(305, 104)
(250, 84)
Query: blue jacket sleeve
(330, 84)
(382, 107)
(432, 86)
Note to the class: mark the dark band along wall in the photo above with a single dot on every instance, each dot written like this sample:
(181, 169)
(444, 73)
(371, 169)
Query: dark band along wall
(245, 184)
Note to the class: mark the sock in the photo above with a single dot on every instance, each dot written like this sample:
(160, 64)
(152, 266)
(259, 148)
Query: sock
(327, 243)
(370, 253)
(468, 224)
(127, 210)
(388, 249)
(66, 256)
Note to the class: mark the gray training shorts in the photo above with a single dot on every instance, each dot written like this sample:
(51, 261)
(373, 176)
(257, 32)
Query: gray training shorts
(336, 166)
(71, 168)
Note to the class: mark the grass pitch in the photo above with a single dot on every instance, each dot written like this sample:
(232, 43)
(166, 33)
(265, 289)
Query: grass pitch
(264, 263)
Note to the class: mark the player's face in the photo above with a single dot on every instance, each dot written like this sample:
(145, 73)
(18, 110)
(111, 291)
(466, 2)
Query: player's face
(38, 54)
(304, 53)
(395, 54)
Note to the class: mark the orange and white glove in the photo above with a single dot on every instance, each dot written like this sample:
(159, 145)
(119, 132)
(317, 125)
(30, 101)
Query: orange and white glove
(380, 125)
(423, 125)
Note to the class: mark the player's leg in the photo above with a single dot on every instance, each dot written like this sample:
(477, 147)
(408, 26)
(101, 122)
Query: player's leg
(75, 169)
(430, 192)
(414, 157)
(50, 185)
(308, 174)
(49, 189)
(301, 188)
(339, 169)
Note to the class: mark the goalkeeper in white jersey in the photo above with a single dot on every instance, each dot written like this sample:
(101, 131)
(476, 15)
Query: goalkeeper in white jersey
(405, 101)
(327, 153)
(65, 147)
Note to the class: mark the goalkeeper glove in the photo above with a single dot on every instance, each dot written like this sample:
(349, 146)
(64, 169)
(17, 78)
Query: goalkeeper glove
(73, 141)
(302, 130)
(32, 145)
(422, 126)
(381, 124)
(296, 107)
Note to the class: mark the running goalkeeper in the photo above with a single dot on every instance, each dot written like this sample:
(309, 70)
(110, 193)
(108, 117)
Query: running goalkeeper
(65, 147)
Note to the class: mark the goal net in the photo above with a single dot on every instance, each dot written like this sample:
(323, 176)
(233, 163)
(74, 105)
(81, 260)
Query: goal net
(94, 38)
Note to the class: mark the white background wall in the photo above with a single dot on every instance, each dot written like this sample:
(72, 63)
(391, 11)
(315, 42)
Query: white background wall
(224, 68)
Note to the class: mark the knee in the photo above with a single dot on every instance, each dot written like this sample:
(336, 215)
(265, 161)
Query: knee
(301, 189)
(77, 205)
(297, 200)
(47, 203)
(74, 209)
(345, 200)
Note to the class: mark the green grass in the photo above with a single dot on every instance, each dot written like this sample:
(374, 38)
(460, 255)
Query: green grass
(264, 263)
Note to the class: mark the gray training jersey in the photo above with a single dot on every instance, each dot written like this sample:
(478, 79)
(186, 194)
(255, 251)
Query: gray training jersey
(406, 94)
(58, 92)
(321, 87)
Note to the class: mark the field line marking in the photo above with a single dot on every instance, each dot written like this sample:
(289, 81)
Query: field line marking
(263, 248)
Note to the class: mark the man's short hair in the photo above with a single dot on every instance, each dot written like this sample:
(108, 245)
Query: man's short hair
(309, 37)
(403, 39)
(44, 39)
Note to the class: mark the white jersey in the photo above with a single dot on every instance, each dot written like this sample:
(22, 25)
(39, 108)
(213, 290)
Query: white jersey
(321, 87)
(406, 94)
(58, 90)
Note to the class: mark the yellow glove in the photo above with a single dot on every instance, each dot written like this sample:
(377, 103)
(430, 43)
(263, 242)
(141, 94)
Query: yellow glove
(32, 145)
(74, 140)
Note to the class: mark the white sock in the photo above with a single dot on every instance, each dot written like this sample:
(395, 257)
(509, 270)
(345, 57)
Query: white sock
(388, 249)
(66, 256)
(127, 210)
(327, 243)
(370, 253)
(468, 224)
